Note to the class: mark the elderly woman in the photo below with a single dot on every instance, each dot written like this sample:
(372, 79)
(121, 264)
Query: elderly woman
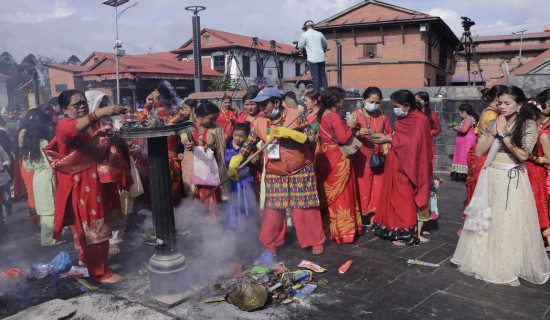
(89, 168)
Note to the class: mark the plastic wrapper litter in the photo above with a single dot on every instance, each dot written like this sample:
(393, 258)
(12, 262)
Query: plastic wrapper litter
(248, 297)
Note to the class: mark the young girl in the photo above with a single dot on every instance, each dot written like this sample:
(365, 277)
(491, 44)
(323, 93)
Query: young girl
(243, 198)
(227, 116)
(500, 241)
(209, 135)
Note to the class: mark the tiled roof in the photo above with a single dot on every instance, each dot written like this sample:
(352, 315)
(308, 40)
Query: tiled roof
(537, 61)
(216, 94)
(505, 37)
(380, 19)
(71, 68)
(503, 48)
(233, 40)
(150, 66)
(464, 78)
(305, 77)
(3, 76)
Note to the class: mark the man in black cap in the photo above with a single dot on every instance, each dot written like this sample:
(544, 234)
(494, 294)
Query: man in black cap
(315, 44)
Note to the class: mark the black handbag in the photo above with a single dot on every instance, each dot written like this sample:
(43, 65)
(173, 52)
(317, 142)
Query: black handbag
(377, 160)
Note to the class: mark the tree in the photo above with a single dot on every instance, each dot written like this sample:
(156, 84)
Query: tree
(73, 60)
(221, 83)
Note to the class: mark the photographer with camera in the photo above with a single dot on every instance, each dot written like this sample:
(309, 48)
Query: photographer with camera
(315, 45)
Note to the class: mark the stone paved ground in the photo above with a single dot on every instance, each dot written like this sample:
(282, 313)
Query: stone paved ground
(379, 285)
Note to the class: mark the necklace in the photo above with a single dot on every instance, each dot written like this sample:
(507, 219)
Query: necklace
(227, 115)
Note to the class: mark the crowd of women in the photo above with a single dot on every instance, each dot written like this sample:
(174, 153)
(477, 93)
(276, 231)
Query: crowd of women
(334, 176)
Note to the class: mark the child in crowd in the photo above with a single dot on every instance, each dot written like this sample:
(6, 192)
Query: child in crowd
(242, 205)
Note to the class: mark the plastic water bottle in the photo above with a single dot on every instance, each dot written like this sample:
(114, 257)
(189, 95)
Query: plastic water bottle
(348, 115)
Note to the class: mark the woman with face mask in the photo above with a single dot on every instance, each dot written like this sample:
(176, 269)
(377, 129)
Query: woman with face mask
(371, 121)
(288, 176)
(500, 240)
(408, 172)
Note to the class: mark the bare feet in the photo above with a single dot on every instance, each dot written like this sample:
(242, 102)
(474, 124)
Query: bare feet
(399, 243)
(546, 232)
(113, 279)
(422, 239)
(115, 266)
(426, 233)
(317, 250)
(548, 248)
(81, 263)
(114, 249)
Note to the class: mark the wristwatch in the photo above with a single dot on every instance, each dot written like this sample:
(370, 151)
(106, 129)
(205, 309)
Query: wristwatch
(504, 135)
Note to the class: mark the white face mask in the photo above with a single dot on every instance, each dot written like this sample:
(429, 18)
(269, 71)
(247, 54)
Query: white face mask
(372, 107)
(400, 113)
(274, 113)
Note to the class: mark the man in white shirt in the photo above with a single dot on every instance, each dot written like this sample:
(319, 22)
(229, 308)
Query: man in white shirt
(315, 44)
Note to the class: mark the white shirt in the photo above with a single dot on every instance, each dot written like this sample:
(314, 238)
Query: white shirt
(315, 44)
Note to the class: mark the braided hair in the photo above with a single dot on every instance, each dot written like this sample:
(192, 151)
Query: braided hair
(329, 97)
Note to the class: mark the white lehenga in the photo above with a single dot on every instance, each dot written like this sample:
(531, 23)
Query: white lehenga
(501, 239)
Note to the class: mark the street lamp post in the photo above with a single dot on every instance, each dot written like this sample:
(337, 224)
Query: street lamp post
(197, 59)
(520, 43)
(118, 43)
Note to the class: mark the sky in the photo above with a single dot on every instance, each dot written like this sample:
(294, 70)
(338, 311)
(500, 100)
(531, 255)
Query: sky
(60, 28)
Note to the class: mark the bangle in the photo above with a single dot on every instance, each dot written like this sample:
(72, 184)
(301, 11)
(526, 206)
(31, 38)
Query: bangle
(539, 160)
(91, 118)
(95, 116)
(504, 135)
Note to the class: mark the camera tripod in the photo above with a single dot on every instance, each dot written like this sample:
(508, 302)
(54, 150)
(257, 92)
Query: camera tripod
(466, 44)
(227, 74)
(261, 62)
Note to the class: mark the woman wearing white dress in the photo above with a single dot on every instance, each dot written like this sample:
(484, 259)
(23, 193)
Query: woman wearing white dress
(501, 241)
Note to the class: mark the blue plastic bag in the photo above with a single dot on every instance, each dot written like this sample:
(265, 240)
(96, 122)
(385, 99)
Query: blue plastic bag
(61, 262)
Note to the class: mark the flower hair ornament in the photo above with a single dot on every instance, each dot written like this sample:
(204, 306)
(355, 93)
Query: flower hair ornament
(536, 104)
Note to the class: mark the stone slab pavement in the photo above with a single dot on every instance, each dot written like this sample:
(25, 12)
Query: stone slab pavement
(379, 285)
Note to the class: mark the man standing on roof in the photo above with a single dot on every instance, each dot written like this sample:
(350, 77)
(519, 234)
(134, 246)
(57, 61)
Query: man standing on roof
(316, 45)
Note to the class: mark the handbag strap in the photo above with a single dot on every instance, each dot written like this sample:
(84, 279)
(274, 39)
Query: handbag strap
(325, 132)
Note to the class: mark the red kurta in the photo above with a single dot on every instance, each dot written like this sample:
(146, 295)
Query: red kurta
(83, 200)
(408, 174)
(336, 182)
(369, 182)
(226, 120)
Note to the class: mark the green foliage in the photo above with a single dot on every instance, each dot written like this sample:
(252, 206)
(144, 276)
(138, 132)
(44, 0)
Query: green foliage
(221, 83)
(516, 67)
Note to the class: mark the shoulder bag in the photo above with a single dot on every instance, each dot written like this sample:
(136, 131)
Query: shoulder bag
(347, 149)
(377, 160)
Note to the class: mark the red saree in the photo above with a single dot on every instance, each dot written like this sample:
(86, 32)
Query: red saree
(408, 173)
(537, 177)
(336, 182)
(226, 120)
(369, 182)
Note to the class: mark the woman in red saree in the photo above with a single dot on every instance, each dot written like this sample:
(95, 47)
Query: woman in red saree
(251, 111)
(88, 168)
(209, 135)
(371, 120)
(335, 176)
(408, 172)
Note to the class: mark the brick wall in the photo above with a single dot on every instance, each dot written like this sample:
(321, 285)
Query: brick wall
(60, 77)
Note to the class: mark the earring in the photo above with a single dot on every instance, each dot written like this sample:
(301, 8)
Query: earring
(518, 110)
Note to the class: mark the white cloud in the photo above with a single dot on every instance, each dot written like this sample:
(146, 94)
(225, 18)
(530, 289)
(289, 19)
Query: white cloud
(61, 10)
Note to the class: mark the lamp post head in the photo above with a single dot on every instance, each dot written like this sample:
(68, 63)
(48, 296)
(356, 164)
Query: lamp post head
(195, 9)
(114, 3)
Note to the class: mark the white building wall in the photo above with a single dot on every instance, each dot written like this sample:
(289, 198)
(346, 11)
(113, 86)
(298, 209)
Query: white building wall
(3, 93)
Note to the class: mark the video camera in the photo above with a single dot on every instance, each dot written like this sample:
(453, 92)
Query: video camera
(467, 23)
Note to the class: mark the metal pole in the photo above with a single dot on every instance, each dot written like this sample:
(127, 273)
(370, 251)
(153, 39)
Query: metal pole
(117, 46)
(35, 85)
(520, 43)
(197, 59)
(339, 62)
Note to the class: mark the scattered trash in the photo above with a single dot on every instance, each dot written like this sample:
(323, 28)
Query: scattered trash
(265, 259)
(274, 287)
(248, 297)
(76, 272)
(259, 270)
(40, 270)
(311, 266)
(343, 268)
(61, 262)
(305, 291)
(322, 282)
(279, 268)
(143, 271)
(215, 299)
(14, 275)
(87, 285)
(422, 263)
